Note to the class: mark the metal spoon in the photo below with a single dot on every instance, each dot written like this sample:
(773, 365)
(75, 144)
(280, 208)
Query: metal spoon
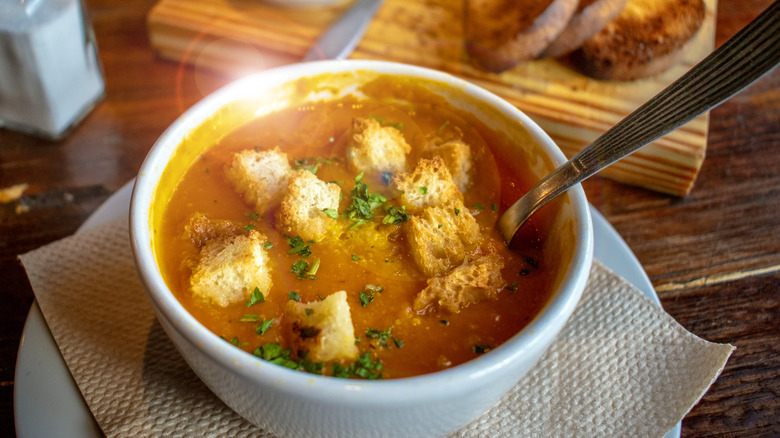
(338, 41)
(735, 65)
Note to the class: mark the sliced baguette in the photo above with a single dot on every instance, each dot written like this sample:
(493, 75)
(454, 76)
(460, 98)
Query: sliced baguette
(502, 33)
(648, 37)
(591, 16)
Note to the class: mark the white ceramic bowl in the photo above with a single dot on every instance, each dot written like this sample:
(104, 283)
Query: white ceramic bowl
(293, 403)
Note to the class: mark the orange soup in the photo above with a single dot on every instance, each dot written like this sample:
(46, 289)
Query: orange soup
(408, 316)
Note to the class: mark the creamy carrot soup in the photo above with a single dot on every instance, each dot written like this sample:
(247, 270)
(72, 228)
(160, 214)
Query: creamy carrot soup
(406, 314)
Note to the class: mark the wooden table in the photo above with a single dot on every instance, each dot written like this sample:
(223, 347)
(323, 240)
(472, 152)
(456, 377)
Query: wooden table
(713, 256)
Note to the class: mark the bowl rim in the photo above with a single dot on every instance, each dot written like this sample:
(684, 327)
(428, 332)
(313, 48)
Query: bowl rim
(469, 375)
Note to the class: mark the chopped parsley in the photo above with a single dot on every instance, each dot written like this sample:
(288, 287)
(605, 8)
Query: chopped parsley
(423, 190)
(254, 216)
(234, 340)
(268, 245)
(362, 367)
(382, 336)
(494, 207)
(369, 293)
(255, 297)
(478, 206)
(457, 211)
(294, 296)
(249, 227)
(443, 125)
(395, 215)
(355, 258)
(308, 311)
(331, 212)
(302, 270)
(274, 353)
(249, 317)
(298, 246)
(363, 203)
(264, 326)
(313, 269)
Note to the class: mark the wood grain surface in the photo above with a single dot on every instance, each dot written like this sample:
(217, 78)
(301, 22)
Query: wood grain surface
(713, 255)
(225, 35)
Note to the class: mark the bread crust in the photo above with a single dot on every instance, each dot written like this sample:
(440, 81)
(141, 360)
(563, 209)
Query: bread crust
(590, 17)
(502, 33)
(648, 37)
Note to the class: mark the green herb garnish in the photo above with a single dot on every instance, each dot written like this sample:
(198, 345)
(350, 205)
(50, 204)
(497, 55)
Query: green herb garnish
(249, 317)
(362, 367)
(381, 336)
(331, 212)
(294, 296)
(395, 215)
(255, 297)
(298, 246)
(368, 294)
(363, 203)
(264, 326)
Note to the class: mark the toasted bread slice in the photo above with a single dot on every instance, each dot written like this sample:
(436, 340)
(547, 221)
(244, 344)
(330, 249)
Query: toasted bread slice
(648, 37)
(591, 16)
(501, 33)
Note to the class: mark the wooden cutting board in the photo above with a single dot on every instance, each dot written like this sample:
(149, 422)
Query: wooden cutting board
(237, 35)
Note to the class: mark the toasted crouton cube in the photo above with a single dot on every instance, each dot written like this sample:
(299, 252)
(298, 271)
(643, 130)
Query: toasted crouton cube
(430, 183)
(323, 329)
(301, 211)
(230, 268)
(471, 282)
(260, 176)
(440, 237)
(457, 156)
(200, 229)
(376, 148)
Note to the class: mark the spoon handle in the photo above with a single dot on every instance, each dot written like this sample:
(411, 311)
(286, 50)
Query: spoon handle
(736, 64)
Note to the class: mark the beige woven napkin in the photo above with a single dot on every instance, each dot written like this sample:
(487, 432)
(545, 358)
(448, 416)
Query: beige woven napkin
(621, 366)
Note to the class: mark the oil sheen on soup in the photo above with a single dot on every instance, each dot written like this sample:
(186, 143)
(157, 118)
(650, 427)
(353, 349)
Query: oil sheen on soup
(355, 239)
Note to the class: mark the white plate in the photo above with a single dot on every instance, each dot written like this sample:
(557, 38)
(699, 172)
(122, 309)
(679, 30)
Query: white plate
(43, 383)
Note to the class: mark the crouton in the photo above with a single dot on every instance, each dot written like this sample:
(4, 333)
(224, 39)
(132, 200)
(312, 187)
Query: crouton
(259, 176)
(200, 229)
(469, 283)
(646, 38)
(323, 329)
(375, 148)
(440, 237)
(501, 33)
(590, 17)
(301, 211)
(430, 183)
(230, 268)
(457, 156)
